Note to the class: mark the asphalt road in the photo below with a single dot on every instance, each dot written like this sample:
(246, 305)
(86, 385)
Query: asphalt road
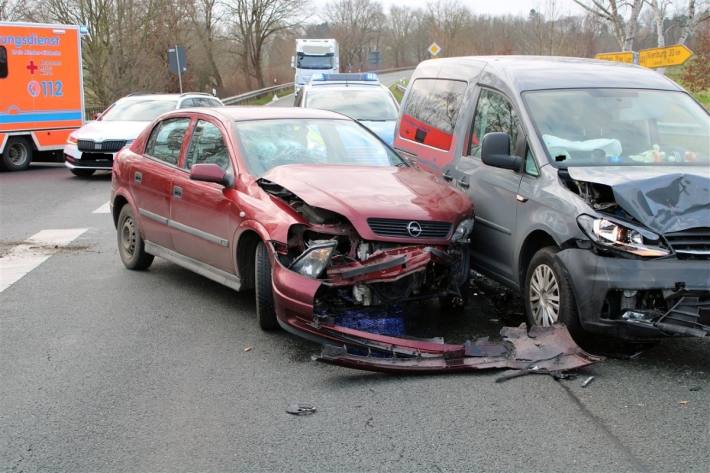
(104, 369)
(387, 79)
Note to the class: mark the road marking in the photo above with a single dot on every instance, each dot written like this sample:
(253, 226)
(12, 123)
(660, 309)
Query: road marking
(104, 209)
(37, 249)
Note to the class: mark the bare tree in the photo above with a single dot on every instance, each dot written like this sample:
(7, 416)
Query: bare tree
(612, 11)
(357, 25)
(12, 10)
(448, 21)
(401, 21)
(255, 22)
(693, 18)
(206, 16)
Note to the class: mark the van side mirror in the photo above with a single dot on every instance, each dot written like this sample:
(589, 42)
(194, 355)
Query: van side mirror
(210, 172)
(495, 151)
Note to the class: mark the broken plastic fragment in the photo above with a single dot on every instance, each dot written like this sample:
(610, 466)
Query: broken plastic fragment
(298, 409)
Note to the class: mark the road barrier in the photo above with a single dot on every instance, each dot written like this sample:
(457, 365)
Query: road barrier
(241, 99)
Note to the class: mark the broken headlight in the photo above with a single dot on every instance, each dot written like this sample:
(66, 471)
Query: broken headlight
(615, 235)
(463, 231)
(315, 259)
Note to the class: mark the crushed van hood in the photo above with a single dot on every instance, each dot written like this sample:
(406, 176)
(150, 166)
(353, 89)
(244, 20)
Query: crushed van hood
(664, 198)
(359, 192)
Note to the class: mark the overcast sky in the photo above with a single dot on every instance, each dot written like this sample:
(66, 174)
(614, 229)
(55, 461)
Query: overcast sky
(495, 7)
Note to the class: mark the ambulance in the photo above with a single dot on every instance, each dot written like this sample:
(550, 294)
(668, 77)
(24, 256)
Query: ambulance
(41, 90)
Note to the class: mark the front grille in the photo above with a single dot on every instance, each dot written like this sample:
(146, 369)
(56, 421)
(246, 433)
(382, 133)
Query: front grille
(391, 227)
(108, 146)
(691, 242)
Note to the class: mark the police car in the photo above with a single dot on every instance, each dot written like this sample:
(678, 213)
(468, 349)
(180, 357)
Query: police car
(359, 96)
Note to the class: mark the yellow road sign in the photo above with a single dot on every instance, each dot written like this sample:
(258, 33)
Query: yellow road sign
(621, 56)
(664, 57)
(434, 49)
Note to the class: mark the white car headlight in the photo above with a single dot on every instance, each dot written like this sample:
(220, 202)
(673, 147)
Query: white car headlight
(315, 259)
(615, 235)
(463, 231)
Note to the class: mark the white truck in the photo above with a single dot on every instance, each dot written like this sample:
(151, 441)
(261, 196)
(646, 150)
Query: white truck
(314, 56)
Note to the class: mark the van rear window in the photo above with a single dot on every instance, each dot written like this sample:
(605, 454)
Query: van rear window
(3, 62)
(431, 111)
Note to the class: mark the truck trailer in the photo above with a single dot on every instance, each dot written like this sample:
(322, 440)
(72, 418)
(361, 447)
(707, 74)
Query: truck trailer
(41, 90)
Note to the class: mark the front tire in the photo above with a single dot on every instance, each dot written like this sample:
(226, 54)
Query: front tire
(548, 294)
(265, 311)
(17, 154)
(130, 243)
(82, 172)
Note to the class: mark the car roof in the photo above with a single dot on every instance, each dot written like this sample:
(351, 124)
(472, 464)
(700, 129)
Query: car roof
(523, 73)
(345, 85)
(168, 96)
(242, 113)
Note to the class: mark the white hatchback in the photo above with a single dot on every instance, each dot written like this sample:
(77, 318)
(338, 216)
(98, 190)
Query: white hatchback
(93, 146)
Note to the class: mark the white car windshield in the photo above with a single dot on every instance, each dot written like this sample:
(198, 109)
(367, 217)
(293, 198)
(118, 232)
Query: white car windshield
(616, 127)
(360, 104)
(270, 143)
(138, 110)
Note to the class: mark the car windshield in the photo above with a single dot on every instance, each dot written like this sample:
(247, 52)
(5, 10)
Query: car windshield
(314, 62)
(138, 110)
(616, 127)
(270, 143)
(360, 104)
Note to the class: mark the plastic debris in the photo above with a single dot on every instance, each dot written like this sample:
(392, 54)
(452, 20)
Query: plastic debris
(587, 381)
(298, 409)
(248, 349)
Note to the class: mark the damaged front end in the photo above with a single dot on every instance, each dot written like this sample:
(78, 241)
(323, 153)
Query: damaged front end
(354, 273)
(644, 272)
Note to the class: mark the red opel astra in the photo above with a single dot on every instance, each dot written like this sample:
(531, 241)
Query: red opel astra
(306, 207)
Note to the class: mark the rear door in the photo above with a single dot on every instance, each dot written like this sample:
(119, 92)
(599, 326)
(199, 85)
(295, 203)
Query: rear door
(428, 120)
(494, 191)
(203, 215)
(153, 175)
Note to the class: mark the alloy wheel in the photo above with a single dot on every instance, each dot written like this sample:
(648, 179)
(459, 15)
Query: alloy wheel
(544, 296)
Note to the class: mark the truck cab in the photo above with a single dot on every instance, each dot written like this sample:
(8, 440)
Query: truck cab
(314, 56)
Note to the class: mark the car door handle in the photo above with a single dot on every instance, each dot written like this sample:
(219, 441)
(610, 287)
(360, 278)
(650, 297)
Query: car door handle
(138, 177)
(447, 176)
(177, 192)
(463, 183)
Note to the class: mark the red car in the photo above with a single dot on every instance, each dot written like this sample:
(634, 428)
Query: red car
(306, 207)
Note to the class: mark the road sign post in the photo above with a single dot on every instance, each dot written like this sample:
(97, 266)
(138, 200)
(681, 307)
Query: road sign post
(177, 62)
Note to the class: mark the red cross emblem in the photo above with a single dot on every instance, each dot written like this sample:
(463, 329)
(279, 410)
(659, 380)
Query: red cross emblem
(32, 68)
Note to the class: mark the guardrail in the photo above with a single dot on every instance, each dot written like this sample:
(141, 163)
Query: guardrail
(256, 94)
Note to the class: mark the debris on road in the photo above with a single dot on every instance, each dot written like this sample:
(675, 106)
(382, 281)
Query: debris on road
(695, 388)
(587, 381)
(248, 349)
(683, 403)
(547, 350)
(298, 409)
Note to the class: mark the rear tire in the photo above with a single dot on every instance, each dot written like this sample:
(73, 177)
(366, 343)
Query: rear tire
(17, 154)
(265, 311)
(548, 294)
(82, 172)
(130, 243)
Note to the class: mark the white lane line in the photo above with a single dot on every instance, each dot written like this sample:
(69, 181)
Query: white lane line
(104, 209)
(25, 257)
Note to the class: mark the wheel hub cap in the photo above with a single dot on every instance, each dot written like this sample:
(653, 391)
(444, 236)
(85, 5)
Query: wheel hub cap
(544, 296)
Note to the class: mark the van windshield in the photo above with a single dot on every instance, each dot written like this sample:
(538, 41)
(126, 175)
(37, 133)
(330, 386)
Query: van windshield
(616, 127)
(138, 110)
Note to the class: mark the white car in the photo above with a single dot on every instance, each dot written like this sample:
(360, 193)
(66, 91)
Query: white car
(92, 147)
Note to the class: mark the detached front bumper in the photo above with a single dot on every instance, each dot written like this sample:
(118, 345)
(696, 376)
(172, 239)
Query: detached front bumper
(549, 350)
(640, 299)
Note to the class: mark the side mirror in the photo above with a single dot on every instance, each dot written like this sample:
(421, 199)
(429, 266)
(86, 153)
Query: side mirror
(211, 173)
(495, 151)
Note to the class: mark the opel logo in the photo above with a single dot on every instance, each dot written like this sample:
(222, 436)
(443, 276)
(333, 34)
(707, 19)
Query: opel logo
(414, 229)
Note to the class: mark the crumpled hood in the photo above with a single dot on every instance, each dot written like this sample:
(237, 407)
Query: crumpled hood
(664, 198)
(110, 130)
(383, 129)
(361, 192)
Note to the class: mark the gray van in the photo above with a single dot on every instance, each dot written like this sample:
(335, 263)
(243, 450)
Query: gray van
(590, 180)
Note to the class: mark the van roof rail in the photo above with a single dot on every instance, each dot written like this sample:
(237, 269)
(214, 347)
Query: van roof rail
(196, 93)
